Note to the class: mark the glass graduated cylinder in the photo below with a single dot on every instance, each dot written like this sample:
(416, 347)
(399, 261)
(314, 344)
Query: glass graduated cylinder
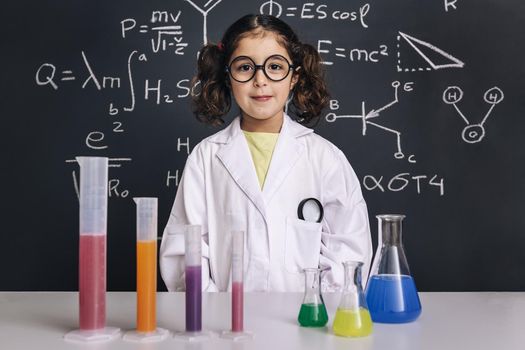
(193, 271)
(146, 263)
(92, 245)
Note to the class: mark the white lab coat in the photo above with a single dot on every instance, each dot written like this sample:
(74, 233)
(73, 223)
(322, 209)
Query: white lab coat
(219, 190)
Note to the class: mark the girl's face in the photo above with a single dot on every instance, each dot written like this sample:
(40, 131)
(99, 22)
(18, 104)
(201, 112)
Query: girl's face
(261, 100)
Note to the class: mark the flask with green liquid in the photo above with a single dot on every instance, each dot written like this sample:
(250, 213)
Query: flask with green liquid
(313, 311)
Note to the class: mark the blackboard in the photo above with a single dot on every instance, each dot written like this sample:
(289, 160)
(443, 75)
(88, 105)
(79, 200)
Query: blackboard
(432, 91)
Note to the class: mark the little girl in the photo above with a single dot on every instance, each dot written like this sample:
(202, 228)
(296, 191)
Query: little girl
(254, 174)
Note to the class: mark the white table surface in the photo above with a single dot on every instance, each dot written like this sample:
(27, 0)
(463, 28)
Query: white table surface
(467, 321)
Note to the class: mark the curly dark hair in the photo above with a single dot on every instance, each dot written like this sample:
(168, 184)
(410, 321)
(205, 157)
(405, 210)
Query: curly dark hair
(213, 98)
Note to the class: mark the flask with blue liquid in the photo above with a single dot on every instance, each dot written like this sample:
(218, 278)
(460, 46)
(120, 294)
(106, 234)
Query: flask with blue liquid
(391, 293)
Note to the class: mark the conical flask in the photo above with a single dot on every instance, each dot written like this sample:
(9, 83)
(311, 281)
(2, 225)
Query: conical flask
(352, 318)
(313, 311)
(391, 293)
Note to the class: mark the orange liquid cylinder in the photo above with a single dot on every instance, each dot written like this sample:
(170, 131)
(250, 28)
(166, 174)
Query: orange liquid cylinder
(146, 285)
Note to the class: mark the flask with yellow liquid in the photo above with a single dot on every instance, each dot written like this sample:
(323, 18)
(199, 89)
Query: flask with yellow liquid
(352, 318)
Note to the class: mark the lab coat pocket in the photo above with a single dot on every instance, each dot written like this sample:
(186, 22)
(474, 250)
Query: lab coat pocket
(303, 245)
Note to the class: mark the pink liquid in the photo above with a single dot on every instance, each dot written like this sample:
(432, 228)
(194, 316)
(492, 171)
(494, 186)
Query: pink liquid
(237, 306)
(92, 282)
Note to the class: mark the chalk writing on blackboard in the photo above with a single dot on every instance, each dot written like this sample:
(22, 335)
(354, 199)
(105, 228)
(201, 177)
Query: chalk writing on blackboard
(153, 89)
(205, 7)
(113, 184)
(113, 188)
(184, 145)
(112, 162)
(425, 50)
(45, 75)
(400, 182)
(372, 55)
(473, 133)
(167, 34)
(450, 4)
(170, 178)
(374, 113)
(313, 11)
(44, 79)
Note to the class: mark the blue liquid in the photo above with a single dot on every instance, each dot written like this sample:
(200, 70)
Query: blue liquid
(393, 299)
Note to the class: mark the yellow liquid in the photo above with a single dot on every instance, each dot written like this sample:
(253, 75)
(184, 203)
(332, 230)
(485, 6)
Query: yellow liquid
(146, 285)
(352, 323)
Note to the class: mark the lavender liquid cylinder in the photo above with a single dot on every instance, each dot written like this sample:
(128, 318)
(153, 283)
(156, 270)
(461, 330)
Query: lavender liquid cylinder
(193, 262)
(193, 299)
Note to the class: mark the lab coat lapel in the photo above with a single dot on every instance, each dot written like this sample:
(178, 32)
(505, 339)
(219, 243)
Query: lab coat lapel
(236, 158)
(285, 155)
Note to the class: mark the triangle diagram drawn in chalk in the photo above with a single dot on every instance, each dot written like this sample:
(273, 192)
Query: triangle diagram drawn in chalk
(434, 56)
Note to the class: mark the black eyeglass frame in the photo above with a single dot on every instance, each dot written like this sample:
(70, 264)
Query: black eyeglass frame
(227, 69)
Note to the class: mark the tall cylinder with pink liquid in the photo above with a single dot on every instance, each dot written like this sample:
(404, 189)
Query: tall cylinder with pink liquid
(237, 281)
(92, 252)
(92, 247)
(237, 267)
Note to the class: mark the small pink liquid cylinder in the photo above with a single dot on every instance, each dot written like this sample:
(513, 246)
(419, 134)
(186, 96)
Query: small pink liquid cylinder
(237, 306)
(92, 281)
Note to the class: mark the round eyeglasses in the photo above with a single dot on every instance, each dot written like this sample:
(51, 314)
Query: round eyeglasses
(275, 68)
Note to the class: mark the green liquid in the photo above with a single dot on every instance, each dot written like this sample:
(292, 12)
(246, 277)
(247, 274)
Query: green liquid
(313, 315)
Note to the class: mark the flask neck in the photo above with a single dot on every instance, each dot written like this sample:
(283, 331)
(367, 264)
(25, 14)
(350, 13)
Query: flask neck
(391, 257)
(312, 290)
(391, 232)
(353, 276)
(353, 297)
